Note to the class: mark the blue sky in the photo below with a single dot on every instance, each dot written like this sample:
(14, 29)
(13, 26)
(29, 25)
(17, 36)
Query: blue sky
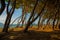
(16, 14)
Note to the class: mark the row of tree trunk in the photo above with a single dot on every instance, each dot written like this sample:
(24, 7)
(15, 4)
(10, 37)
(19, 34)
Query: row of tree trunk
(31, 19)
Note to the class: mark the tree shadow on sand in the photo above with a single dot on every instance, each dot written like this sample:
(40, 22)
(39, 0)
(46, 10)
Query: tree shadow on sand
(31, 35)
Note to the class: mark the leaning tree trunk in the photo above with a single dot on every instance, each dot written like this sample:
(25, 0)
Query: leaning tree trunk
(47, 23)
(7, 22)
(57, 12)
(59, 26)
(32, 19)
(58, 16)
(2, 6)
(22, 19)
(54, 23)
(58, 23)
(9, 16)
(39, 22)
(16, 19)
(18, 23)
(30, 22)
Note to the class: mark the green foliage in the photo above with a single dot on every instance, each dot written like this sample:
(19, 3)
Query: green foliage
(28, 6)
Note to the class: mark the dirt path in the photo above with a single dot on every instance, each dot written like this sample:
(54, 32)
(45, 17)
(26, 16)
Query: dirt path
(31, 35)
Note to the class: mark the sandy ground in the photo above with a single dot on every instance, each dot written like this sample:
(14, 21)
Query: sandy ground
(0, 29)
(30, 35)
(33, 34)
(46, 29)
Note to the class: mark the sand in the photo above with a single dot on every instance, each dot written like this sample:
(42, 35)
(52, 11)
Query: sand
(0, 29)
(47, 29)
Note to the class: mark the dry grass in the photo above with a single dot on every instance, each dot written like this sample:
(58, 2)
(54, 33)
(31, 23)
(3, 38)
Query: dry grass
(0, 29)
(48, 28)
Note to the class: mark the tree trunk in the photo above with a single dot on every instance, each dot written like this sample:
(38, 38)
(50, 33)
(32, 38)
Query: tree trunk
(16, 19)
(30, 22)
(39, 22)
(32, 13)
(59, 26)
(9, 16)
(7, 22)
(22, 19)
(2, 6)
(53, 24)
(18, 23)
(57, 12)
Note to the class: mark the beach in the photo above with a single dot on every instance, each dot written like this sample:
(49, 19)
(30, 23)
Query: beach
(47, 29)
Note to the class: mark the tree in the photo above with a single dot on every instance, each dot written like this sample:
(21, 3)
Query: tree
(9, 16)
(30, 22)
(2, 6)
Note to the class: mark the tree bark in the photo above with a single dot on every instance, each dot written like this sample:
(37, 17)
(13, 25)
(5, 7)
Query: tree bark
(32, 13)
(7, 22)
(16, 19)
(53, 24)
(22, 17)
(2, 6)
(9, 16)
(39, 22)
(30, 22)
